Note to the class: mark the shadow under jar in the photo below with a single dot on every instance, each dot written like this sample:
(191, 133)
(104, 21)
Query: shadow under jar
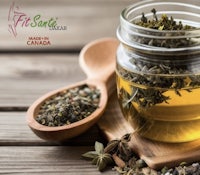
(158, 71)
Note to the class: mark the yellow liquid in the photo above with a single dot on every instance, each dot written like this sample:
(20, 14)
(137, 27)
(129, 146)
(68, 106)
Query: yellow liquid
(178, 120)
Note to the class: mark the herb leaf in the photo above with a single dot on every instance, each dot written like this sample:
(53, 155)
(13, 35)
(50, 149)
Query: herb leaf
(90, 154)
(99, 148)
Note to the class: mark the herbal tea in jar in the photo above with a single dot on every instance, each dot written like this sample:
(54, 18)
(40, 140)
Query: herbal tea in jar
(158, 69)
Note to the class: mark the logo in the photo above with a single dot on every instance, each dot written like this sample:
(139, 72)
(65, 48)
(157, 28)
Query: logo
(18, 19)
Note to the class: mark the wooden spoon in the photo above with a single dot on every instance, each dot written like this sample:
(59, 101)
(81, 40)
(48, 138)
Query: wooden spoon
(97, 59)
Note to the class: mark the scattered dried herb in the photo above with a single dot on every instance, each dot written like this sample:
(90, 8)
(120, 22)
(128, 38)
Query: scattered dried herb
(132, 165)
(70, 106)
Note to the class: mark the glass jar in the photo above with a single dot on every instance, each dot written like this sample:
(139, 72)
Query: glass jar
(158, 71)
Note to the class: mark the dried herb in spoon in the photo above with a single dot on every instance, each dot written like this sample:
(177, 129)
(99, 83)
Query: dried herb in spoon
(70, 106)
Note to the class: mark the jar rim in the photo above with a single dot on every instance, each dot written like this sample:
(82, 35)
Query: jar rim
(128, 32)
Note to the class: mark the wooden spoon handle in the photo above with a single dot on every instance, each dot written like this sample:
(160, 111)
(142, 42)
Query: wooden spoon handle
(98, 60)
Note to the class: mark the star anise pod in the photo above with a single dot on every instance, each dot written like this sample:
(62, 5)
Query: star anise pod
(112, 147)
(99, 157)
